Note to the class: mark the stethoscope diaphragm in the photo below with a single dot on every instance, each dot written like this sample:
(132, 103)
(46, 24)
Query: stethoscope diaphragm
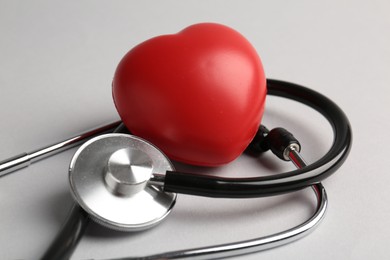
(109, 177)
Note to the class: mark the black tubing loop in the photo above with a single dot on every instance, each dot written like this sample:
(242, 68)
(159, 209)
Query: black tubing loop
(284, 182)
(342, 130)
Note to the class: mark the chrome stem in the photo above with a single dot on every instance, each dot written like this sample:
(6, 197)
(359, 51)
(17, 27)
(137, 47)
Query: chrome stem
(295, 157)
(25, 159)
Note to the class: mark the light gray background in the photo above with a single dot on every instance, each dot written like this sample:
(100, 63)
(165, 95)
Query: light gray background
(57, 60)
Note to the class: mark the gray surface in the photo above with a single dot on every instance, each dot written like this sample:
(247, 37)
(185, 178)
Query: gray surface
(57, 62)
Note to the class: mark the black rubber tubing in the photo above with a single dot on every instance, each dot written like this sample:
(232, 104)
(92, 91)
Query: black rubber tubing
(67, 239)
(211, 186)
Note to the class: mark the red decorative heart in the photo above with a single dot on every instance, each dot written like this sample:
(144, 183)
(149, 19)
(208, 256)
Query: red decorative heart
(198, 95)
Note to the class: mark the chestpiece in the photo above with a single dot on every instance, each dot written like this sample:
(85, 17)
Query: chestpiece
(109, 178)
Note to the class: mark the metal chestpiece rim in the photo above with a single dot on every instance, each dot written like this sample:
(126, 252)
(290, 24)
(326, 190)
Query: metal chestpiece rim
(109, 177)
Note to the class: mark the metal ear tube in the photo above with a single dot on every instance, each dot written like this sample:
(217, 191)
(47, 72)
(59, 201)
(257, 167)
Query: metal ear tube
(25, 159)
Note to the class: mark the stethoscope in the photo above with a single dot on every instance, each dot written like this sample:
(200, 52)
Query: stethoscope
(126, 183)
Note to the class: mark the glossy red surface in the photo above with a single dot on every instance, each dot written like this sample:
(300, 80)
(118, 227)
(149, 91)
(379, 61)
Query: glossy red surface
(198, 95)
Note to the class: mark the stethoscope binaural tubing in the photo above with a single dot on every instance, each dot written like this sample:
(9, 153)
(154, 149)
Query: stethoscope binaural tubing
(212, 186)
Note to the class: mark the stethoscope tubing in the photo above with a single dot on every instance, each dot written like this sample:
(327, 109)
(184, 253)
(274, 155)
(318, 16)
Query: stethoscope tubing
(212, 186)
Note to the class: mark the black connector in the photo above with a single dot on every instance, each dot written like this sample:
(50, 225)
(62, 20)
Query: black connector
(279, 139)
